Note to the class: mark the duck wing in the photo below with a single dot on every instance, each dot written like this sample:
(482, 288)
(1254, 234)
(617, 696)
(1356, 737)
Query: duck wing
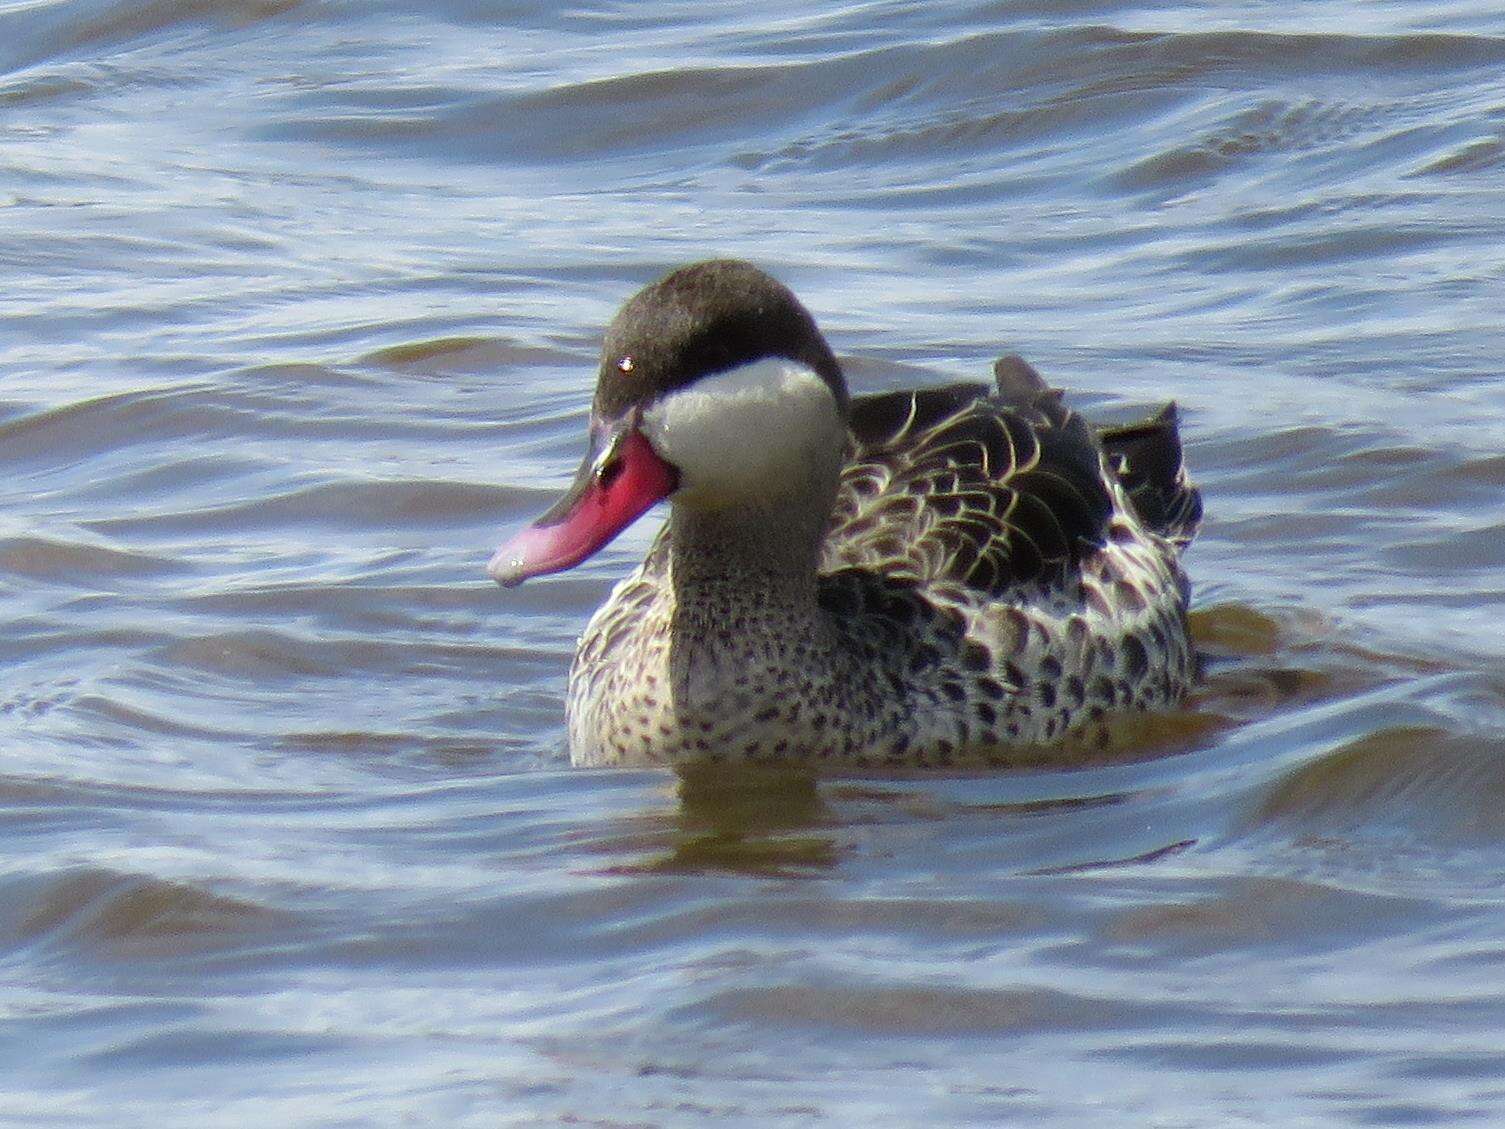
(985, 487)
(1148, 461)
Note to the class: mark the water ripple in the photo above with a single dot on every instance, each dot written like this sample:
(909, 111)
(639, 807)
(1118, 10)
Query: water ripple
(302, 311)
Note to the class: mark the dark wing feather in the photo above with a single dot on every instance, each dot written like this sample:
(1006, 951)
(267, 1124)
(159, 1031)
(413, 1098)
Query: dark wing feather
(1148, 461)
(963, 483)
(1017, 379)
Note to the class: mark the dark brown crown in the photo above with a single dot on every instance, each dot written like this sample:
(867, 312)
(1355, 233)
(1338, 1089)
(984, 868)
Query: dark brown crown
(704, 319)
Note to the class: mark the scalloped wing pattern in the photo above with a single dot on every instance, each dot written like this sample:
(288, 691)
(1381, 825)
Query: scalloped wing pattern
(960, 483)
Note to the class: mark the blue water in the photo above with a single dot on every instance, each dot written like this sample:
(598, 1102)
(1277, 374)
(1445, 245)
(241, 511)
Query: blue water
(300, 315)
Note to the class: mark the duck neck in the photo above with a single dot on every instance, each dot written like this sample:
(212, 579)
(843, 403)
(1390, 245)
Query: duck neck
(744, 611)
(739, 563)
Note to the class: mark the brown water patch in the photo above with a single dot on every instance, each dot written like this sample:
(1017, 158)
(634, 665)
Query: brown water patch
(747, 820)
(70, 562)
(1257, 912)
(876, 1009)
(1259, 663)
(1411, 776)
(460, 354)
(110, 913)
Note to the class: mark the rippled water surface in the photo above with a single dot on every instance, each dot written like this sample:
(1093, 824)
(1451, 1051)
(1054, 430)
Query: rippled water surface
(299, 315)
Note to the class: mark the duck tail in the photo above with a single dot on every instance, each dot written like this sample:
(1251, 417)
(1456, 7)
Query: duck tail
(1146, 457)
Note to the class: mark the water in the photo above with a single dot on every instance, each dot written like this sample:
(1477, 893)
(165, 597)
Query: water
(300, 308)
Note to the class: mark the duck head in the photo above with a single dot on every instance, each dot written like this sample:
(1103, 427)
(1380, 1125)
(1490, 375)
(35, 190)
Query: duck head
(716, 390)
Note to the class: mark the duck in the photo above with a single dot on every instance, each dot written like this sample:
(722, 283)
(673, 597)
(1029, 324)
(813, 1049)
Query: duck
(944, 576)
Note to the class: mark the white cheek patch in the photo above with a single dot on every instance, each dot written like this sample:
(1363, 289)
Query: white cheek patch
(761, 428)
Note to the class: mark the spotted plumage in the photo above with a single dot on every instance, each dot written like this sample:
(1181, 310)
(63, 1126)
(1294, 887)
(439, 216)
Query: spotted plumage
(932, 577)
